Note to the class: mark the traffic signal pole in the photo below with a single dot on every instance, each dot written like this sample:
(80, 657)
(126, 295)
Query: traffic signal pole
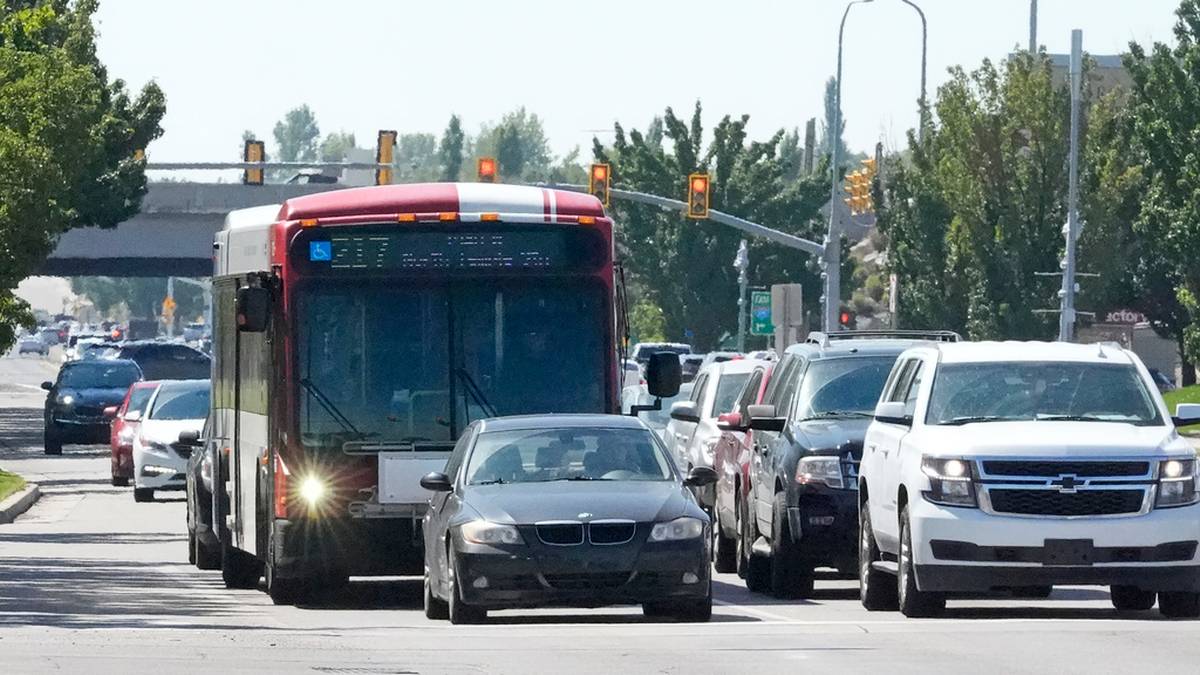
(1066, 314)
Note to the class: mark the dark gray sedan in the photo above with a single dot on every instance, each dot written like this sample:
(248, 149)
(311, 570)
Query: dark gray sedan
(565, 510)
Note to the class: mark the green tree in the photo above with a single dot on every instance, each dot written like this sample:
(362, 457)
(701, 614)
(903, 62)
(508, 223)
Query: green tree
(142, 296)
(417, 158)
(297, 135)
(825, 145)
(646, 322)
(336, 146)
(67, 139)
(519, 144)
(685, 266)
(450, 150)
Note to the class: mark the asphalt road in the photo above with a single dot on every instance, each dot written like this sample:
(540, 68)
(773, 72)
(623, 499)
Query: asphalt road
(91, 582)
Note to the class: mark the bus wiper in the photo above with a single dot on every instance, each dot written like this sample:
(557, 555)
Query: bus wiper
(972, 419)
(476, 393)
(330, 407)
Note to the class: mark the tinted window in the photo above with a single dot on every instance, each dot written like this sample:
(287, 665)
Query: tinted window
(180, 403)
(540, 455)
(914, 388)
(138, 399)
(843, 386)
(99, 375)
(729, 388)
(169, 362)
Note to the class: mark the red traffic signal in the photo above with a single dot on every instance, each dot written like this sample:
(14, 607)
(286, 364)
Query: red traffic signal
(846, 319)
(697, 203)
(599, 181)
(485, 169)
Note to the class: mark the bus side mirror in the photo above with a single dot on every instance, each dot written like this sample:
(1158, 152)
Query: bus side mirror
(663, 375)
(253, 309)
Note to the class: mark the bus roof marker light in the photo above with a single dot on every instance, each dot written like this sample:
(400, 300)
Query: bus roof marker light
(448, 215)
(406, 218)
(587, 220)
(308, 222)
(489, 217)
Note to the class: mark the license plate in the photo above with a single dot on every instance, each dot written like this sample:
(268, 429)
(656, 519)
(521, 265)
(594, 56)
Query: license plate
(1068, 552)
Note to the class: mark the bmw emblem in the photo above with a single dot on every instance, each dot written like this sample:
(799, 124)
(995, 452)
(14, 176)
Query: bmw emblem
(584, 516)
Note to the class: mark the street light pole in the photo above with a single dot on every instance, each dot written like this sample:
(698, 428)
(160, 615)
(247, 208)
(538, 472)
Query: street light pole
(924, 62)
(1066, 316)
(741, 263)
(833, 240)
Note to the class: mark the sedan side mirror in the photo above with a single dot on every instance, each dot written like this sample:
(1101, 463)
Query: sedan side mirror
(892, 412)
(47, 386)
(436, 481)
(110, 411)
(663, 375)
(762, 418)
(700, 476)
(191, 437)
(730, 421)
(685, 411)
(1186, 413)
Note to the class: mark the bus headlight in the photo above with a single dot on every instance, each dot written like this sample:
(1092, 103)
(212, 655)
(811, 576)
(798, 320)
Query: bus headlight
(313, 490)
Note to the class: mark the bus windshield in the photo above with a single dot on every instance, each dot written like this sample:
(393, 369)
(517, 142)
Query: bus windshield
(387, 362)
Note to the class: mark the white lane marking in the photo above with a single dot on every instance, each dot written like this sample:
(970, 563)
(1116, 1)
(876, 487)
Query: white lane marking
(769, 616)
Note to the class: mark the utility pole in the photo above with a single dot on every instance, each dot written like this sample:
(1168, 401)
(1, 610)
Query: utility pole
(924, 61)
(810, 144)
(1066, 317)
(1033, 26)
(170, 316)
(832, 261)
(741, 263)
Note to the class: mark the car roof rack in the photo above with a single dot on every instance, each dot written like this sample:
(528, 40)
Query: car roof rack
(824, 339)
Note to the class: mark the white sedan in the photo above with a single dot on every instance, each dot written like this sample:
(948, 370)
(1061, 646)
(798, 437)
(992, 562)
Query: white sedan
(159, 460)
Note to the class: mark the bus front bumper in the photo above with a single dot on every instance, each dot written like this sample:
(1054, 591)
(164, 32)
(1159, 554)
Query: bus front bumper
(348, 546)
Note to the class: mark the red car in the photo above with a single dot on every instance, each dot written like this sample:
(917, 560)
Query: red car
(124, 426)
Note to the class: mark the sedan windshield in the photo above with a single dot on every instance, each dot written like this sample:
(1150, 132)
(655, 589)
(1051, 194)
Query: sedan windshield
(543, 455)
(100, 375)
(985, 392)
(846, 387)
(175, 402)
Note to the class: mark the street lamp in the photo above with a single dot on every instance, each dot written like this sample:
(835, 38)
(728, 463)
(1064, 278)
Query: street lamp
(924, 52)
(833, 242)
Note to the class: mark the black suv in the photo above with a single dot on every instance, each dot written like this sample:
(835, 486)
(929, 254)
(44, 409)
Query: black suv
(75, 402)
(802, 504)
(167, 361)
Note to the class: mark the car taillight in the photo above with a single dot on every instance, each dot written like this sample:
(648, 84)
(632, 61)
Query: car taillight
(281, 487)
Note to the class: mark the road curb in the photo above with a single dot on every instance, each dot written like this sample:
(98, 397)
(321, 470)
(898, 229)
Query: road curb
(16, 504)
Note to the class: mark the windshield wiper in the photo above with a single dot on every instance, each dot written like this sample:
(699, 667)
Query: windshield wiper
(330, 408)
(490, 481)
(973, 419)
(1075, 418)
(476, 393)
(827, 414)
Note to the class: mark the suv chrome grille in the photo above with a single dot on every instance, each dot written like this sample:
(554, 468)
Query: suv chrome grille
(1066, 488)
(1083, 469)
(1045, 502)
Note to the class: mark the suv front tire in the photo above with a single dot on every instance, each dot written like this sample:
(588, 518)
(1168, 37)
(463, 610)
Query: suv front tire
(913, 602)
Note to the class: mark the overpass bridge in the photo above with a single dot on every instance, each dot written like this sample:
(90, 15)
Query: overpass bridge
(171, 236)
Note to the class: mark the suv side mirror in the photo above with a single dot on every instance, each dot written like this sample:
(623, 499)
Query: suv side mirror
(663, 375)
(1186, 413)
(762, 418)
(730, 421)
(700, 476)
(110, 411)
(253, 309)
(191, 438)
(47, 386)
(685, 411)
(892, 412)
(436, 481)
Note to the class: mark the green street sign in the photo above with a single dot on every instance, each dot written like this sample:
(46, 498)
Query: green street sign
(760, 313)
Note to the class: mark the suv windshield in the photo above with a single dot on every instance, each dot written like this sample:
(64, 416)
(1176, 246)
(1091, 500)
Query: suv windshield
(1089, 392)
(847, 386)
(541, 455)
(99, 375)
(412, 363)
(181, 402)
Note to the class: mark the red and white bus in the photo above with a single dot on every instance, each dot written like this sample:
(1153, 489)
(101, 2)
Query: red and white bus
(358, 332)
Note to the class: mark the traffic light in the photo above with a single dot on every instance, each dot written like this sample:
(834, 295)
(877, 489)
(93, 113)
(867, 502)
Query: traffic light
(599, 180)
(253, 151)
(385, 153)
(485, 169)
(697, 202)
(846, 319)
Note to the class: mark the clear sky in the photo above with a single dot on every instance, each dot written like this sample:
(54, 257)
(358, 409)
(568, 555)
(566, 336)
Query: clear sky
(364, 65)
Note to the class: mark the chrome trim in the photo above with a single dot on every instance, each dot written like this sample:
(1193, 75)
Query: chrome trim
(1146, 482)
(537, 530)
(985, 501)
(612, 521)
(1150, 475)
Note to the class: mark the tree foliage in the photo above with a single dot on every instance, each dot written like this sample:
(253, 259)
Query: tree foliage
(685, 266)
(67, 139)
(519, 144)
(336, 146)
(450, 150)
(142, 296)
(297, 136)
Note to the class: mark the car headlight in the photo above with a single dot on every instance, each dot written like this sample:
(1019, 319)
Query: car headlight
(678, 529)
(484, 532)
(824, 470)
(66, 399)
(1176, 483)
(313, 490)
(950, 482)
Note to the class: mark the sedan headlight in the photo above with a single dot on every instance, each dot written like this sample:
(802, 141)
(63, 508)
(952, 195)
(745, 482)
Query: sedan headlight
(484, 532)
(66, 399)
(950, 482)
(824, 470)
(1176, 483)
(679, 529)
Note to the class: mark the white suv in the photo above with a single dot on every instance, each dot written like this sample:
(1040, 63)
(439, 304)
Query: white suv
(1021, 465)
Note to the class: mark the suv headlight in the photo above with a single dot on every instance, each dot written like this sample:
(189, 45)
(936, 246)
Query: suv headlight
(825, 470)
(950, 482)
(678, 529)
(483, 532)
(66, 400)
(1176, 483)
